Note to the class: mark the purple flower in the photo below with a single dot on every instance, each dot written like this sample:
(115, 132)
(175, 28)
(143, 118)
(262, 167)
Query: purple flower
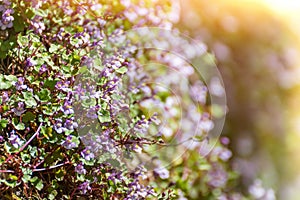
(6, 3)
(7, 19)
(81, 92)
(225, 154)
(199, 92)
(70, 124)
(5, 97)
(217, 177)
(20, 84)
(15, 140)
(64, 86)
(224, 140)
(80, 169)
(92, 112)
(37, 3)
(87, 61)
(84, 187)
(67, 108)
(43, 69)
(87, 154)
(58, 126)
(163, 173)
(20, 109)
(68, 143)
(1, 139)
(29, 62)
(137, 148)
(38, 26)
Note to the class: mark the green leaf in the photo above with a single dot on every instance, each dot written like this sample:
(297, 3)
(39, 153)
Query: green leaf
(18, 23)
(29, 13)
(122, 70)
(50, 84)
(52, 195)
(59, 175)
(27, 95)
(26, 157)
(104, 116)
(11, 78)
(3, 54)
(41, 12)
(49, 109)
(30, 102)
(38, 183)
(12, 177)
(44, 95)
(17, 125)
(3, 123)
(89, 102)
(9, 148)
(22, 40)
(10, 183)
(4, 84)
(29, 116)
(82, 70)
(53, 48)
(20, 126)
(5, 46)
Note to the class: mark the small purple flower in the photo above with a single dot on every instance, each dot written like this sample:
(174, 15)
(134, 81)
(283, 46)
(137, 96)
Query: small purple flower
(224, 140)
(1, 139)
(68, 143)
(64, 86)
(7, 20)
(6, 2)
(80, 169)
(87, 61)
(217, 177)
(38, 26)
(58, 126)
(67, 108)
(37, 3)
(84, 187)
(225, 154)
(29, 62)
(92, 112)
(15, 140)
(20, 109)
(163, 173)
(70, 124)
(81, 92)
(43, 69)
(137, 148)
(5, 97)
(20, 84)
(87, 154)
(59, 85)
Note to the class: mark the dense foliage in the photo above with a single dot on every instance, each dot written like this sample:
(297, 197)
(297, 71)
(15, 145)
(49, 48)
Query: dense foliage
(87, 111)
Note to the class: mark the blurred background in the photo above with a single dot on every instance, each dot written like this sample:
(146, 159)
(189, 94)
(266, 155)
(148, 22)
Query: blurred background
(257, 47)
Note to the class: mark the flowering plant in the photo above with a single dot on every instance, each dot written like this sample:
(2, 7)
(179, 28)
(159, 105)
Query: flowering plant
(87, 110)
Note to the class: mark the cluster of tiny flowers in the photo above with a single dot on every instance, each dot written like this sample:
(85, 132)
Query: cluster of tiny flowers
(257, 191)
(15, 140)
(6, 15)
(81, 102)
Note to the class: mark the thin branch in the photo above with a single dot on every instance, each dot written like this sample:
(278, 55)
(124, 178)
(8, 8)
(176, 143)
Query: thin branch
(51, 167)
(23, 147)
(34, 135)
(7, 171)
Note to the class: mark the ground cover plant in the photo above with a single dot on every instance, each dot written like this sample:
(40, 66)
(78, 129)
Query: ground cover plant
(90, 110)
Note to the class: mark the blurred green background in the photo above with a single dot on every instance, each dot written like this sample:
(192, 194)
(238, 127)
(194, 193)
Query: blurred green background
(257, 48)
